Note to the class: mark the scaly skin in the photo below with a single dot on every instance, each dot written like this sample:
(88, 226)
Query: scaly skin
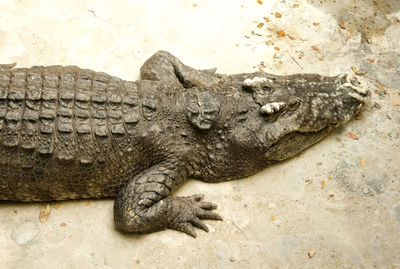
(69, 133)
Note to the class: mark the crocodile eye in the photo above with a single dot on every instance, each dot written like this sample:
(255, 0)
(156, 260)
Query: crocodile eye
(294, 105)
(267, 88)
(243, 109)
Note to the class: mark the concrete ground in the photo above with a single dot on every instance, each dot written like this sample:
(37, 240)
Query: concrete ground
(335, 205)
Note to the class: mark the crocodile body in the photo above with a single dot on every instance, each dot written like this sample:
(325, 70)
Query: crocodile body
(71, 133)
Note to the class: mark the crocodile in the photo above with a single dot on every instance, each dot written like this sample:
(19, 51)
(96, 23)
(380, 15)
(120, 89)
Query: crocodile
(71, 133)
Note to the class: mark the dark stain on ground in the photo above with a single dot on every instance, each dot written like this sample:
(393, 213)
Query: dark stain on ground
(397, 213)
(369, 17)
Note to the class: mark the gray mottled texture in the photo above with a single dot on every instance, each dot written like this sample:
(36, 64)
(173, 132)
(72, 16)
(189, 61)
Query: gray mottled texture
(68, 133)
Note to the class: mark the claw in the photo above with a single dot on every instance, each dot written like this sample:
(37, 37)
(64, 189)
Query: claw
(211, 70)
(189, 212)
(196, 222)
(204, 214)
(6, 67)
(185, 227)
(207, 205)
(196, 197)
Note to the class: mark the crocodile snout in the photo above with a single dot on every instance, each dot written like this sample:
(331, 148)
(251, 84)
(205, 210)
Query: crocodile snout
(357, 90)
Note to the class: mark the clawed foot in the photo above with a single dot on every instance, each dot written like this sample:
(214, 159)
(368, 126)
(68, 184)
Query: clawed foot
(7, 67)
(210, 71)
(189, 212)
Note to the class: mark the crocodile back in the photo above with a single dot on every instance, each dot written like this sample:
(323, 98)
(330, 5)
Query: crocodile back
(59, 126)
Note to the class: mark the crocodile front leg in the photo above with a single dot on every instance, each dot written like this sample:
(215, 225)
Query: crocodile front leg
(143, 206)
(164, 66)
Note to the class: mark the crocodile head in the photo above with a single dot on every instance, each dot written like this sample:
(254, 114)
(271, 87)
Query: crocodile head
(296, 111)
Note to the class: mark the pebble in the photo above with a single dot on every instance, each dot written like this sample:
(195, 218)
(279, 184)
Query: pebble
(360, 72)
(277, 222)
(281, 33)
(25, 233)
(365, 190)
(311, 253)
(315, 48)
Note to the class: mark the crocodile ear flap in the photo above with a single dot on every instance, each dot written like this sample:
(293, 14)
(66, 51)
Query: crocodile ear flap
(202, 110)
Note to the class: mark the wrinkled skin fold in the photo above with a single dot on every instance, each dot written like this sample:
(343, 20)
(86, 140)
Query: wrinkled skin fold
(71, 133)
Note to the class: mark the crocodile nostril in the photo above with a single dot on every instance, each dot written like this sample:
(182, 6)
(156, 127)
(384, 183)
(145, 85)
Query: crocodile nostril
(355, 81)
(355, 88)
(294, 105)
